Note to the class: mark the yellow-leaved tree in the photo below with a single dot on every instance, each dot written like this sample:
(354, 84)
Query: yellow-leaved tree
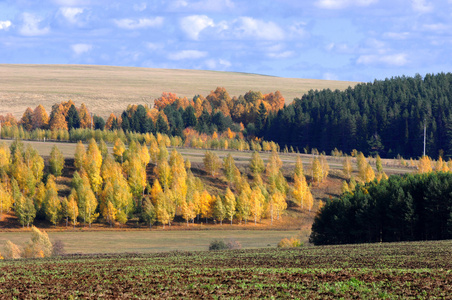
(424, 165)
(118, 150)
(229, 204)
(52, 201)
(257, 200)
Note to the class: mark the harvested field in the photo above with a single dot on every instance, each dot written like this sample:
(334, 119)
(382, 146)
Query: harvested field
(106, 89)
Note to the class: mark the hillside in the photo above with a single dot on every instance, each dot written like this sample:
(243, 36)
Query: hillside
(107, 89)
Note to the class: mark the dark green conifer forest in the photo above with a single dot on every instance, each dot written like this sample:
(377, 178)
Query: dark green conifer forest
(385, 117)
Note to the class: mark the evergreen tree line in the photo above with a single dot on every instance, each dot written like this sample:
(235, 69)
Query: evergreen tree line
(385, 117)
(401, 208)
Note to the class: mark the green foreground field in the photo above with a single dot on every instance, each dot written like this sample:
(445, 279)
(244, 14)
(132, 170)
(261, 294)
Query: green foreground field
(418, 270)
(146, 241)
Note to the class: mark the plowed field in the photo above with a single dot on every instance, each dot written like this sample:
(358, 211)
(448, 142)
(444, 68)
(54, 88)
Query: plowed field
(385, 271)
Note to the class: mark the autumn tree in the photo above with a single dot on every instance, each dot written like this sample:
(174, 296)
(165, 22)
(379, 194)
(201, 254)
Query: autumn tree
(424, 165)
(92, 164)
(276, 205)
(229, 204)
(301, 191)
(56, 161)
(85, 117)
(27, 119)
(87, 202)
(79, 156)
(149, 213)
(6, 200)
(347, 167)
(219, 211)
(378, 164)
(257, 200)
(256, 163)
(39, 245)
(72, 207)
(52, 201)
(229, 168)
(298, 167)
(206, 205)
(40, 118)
(317, 172)
(211, 163)
(58, 121)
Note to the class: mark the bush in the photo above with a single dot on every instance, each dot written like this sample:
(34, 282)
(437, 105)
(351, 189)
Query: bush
(217, 245)
(221, 245)
(39, 245)
(234, 245)
(290, 243)
(58, 248)
(12, 250)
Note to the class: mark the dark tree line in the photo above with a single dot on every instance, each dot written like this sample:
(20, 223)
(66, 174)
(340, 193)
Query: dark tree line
(177, 119)
(385, 117)
(408, 208)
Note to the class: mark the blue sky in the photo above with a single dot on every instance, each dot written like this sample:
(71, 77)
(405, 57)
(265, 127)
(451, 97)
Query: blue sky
(359, 40)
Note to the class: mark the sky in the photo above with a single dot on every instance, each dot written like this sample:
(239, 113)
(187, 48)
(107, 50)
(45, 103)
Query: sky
(354, 40)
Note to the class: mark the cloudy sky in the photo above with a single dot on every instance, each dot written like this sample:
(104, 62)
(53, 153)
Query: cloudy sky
(359, 40)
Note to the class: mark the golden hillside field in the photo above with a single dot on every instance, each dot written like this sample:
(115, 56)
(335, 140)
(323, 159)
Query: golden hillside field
(106, 89)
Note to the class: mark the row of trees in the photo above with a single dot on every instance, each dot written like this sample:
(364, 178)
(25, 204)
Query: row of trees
(118, 187)
(400, 208)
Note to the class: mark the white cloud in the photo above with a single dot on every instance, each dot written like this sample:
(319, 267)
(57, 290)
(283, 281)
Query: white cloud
(246, 27)
(4, 25)
(204, 5)
(220, 64)
(193, 25)
(30, 26)
(80, 49)
(153, 46)
(421, 6)
(330, 76)
(285, 54)
(140, 7)
(140, 23)
(397, 60)
(71, 13)
(340, 4)
(187, 54)
(438, 27)
(396, 35)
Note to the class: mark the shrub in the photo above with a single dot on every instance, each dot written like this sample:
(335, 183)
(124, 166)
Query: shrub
(12, 250)
(290, 243)
(39, 245)
(234, 245)
(217, 245)
(58, 248)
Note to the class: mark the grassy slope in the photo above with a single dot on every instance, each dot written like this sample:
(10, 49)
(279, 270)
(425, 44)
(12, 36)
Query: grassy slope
(108, 89)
